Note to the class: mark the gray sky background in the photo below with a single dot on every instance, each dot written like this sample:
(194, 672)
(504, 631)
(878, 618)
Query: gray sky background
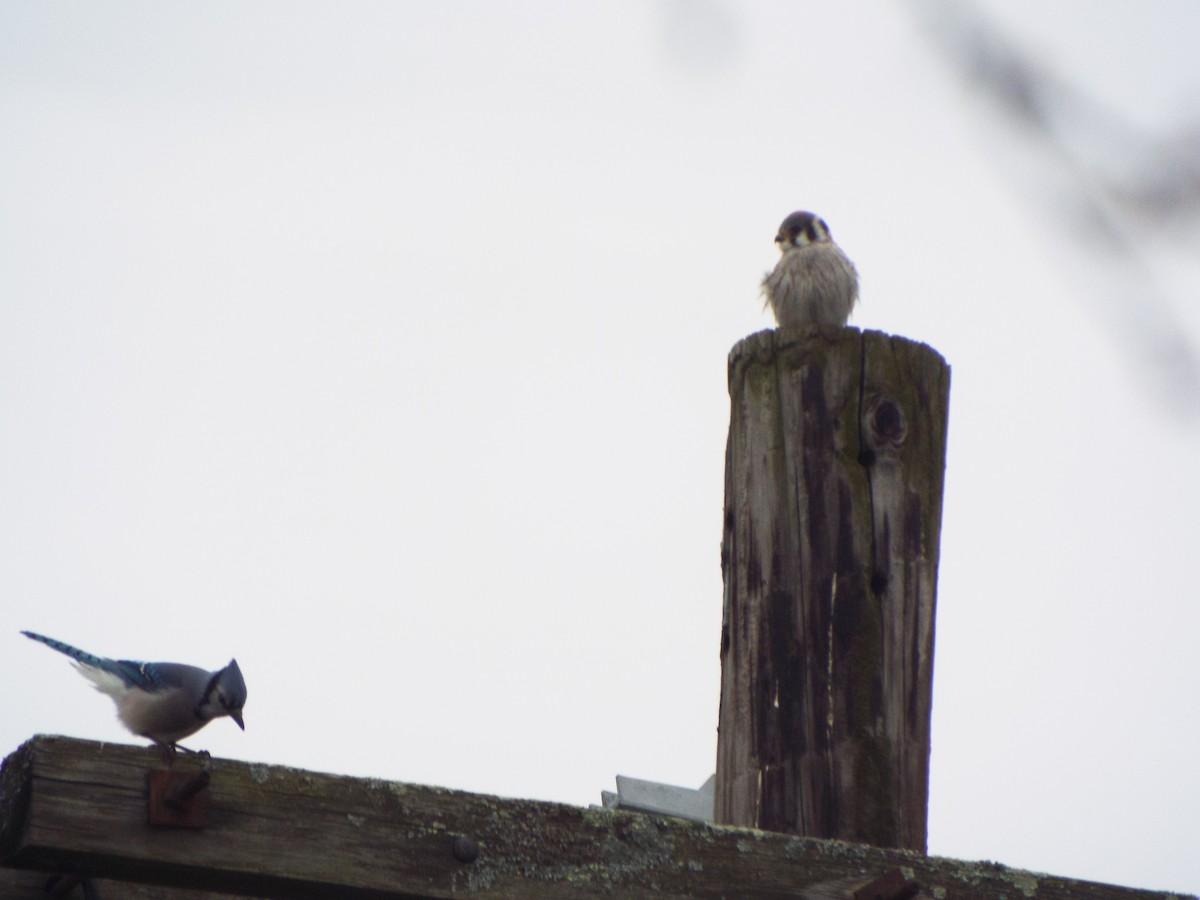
(382, 346)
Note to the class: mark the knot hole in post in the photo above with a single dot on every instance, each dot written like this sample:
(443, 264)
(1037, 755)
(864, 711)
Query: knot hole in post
(885, 427)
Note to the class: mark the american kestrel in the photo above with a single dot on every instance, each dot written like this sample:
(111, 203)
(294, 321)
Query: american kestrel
(813, 283)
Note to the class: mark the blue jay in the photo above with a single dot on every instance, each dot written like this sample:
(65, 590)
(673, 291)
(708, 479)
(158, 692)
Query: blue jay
(161, 701)
(813, 283)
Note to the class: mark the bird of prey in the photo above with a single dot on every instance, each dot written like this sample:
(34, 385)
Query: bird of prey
(814, 283)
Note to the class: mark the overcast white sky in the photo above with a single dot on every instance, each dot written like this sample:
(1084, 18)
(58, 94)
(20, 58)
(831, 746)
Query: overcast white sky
(382, 346)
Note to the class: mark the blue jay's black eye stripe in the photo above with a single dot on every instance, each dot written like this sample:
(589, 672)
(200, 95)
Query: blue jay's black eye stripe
(211, 687)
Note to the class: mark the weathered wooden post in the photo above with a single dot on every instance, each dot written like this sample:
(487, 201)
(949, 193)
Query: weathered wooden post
(833, 505)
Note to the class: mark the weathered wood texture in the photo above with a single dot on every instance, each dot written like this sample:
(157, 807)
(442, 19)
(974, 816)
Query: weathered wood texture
(833, 506)
(78, 807)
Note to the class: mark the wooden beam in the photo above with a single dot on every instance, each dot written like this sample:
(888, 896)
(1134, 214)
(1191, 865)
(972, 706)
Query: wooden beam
(833, 503)
(78, 807)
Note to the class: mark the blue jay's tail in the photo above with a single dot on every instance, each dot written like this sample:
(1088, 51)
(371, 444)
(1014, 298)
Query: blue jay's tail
(74, 652)
(110, 676)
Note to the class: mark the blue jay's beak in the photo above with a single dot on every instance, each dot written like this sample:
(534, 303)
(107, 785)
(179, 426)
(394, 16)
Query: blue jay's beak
(236, 715)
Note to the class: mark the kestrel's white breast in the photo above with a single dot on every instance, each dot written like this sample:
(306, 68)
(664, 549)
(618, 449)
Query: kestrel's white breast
(812, 285)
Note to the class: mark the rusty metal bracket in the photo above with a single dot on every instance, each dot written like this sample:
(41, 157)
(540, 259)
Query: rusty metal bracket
(177, 799)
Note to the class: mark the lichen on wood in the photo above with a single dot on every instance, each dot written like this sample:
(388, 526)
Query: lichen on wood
(278, 832)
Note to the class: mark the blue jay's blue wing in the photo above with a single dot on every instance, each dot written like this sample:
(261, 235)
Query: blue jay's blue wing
(145, 676)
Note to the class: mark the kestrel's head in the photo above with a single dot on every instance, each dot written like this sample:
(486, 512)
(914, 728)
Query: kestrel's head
(801, 229)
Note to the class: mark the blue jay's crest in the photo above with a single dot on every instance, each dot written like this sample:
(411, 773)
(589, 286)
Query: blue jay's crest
(162, 701)
(225, 695)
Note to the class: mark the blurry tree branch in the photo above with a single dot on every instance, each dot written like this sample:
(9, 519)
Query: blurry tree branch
(1109, 186)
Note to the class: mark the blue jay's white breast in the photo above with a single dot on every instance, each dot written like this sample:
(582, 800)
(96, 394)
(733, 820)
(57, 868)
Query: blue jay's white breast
(166, 716)
(812, 285)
